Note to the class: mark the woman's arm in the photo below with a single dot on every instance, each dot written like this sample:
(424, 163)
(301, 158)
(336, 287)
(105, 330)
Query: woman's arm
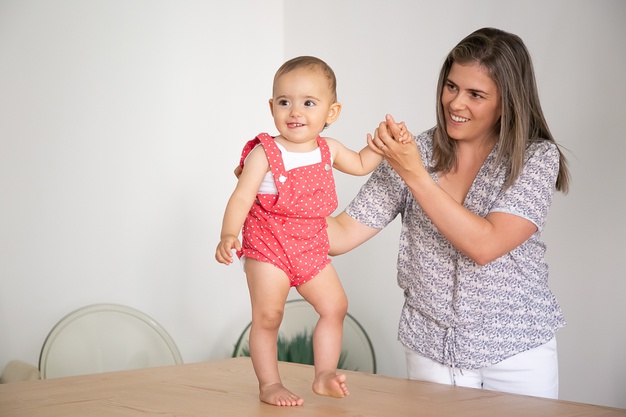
(346, 233)
(482, 239)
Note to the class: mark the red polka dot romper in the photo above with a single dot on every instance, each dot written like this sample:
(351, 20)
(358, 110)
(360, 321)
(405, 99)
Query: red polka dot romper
(288, 229)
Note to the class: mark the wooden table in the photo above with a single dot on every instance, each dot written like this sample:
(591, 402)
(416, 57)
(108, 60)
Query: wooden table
(229, 388)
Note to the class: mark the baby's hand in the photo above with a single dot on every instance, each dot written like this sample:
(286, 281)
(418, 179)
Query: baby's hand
(398, 131)
(403, 137)
(224, 251)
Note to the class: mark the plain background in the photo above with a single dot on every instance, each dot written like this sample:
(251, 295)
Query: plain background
(121, 122)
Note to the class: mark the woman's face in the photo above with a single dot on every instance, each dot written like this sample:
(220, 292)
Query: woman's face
(471, 103)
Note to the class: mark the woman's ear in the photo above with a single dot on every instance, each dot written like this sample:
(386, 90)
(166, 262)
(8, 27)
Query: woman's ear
(333, 113)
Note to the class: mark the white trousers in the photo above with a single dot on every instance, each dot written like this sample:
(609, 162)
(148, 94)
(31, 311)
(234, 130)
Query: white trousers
(534, 372)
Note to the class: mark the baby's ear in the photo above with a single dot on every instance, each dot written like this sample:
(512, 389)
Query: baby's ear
(333, 113)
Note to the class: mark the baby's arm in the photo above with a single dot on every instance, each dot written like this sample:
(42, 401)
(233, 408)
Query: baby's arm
(351, 162)
(239, 204)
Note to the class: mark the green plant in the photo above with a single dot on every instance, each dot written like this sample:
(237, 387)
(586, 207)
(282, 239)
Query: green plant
(298, 349)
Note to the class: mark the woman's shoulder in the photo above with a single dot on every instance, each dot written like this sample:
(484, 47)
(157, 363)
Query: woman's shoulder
(542, 147)
(425, 138)
(427, 135)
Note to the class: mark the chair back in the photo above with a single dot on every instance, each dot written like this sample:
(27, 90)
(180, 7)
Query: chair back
(104, 338)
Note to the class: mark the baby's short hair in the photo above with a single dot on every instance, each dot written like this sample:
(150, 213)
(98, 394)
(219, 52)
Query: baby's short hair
(313, 63)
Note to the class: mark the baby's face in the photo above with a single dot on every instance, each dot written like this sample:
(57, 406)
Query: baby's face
(302, 104)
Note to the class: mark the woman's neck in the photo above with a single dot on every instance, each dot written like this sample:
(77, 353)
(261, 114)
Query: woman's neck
(470, 158)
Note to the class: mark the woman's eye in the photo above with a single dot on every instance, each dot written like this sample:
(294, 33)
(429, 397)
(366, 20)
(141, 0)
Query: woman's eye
(451, 86)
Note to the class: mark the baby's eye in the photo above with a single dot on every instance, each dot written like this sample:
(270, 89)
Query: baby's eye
(283, 102)
(309, 103)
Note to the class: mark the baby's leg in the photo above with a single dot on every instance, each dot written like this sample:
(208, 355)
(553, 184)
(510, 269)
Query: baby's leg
(268, 287)
(325, 293)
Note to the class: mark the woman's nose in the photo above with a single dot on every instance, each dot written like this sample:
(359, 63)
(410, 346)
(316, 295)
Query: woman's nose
(457, 102)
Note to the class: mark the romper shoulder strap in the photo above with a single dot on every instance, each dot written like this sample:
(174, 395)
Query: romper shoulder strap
(247, 149)
(325, 151)
(272, 152)
(274, 156)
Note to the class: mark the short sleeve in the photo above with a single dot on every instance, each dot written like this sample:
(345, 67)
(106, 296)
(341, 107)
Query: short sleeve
(380, 199)
(531, 195)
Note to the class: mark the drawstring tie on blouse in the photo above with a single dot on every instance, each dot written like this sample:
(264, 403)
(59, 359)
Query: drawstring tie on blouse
(449, 352)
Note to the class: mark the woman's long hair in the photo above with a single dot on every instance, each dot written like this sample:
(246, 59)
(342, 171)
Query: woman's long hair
(509, 64)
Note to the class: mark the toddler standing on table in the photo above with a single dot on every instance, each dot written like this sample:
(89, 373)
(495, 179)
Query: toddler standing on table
(284, 194)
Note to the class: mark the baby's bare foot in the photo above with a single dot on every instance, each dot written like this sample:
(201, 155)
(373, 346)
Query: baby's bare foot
(277, 394)
(331, 384)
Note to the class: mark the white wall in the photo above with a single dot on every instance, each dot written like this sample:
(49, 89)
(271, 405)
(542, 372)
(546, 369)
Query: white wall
(120, 125)
(121, 122)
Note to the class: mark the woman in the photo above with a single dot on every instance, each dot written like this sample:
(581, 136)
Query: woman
(473, 193)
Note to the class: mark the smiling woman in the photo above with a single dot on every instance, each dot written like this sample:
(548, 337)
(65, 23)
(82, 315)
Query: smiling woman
(473, 193)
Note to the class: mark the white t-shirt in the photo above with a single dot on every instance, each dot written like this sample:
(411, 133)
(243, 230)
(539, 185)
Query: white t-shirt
(291, 160)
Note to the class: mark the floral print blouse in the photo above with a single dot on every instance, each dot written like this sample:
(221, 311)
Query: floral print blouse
(457, 312)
